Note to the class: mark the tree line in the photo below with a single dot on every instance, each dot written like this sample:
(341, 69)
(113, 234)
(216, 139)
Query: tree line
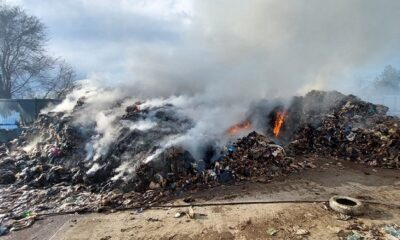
(27, 70)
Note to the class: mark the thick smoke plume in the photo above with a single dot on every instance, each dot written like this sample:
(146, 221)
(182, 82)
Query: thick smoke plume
(235, 51)
(228, 49)
(230, 55)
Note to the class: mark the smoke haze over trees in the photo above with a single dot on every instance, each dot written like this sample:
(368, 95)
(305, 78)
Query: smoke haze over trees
(388, 82)
(227, 50)
(26, 68)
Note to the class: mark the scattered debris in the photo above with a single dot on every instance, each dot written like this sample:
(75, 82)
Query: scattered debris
(26, 214)
(272, 231)
(189, 199)
(359, 230)
(336, 230)
(150, 219)
(106, 238)
(245, 224)
(178, 215)
(354, 236)
(392, 230)
(3, 230)
(299, 231)
(23, 223)
(343, 217)
(191, 213)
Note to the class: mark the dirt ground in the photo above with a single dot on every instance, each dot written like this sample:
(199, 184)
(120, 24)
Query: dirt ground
(246, 221)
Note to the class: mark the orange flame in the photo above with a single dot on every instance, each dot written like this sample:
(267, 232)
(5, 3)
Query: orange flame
(280, 119)
(239, 127)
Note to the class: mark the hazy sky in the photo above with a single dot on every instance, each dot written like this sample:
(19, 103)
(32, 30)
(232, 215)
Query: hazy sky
(98, 35)
(232, 47)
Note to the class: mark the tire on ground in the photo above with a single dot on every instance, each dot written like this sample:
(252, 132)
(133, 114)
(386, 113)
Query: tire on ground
(346, 205)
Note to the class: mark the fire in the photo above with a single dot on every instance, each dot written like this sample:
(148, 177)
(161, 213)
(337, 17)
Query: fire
(279, 120)
(239, 127)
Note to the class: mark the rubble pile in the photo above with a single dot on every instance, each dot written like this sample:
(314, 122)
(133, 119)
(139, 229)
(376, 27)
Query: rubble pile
(252, 157)
(256, 156)
(51, 167)
(347, 127)
(46, 154)
(134, 145)
(64, 164)
(58, 149)
(55, 166)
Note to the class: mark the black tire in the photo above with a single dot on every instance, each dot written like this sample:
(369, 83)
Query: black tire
(346, 205)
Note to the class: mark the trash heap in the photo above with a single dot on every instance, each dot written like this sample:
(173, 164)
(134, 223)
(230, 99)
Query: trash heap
(64, 164)
(256, 156)
(59, 149)
(45, 154)
(135, 145)
(252, 157)
(346, 127)
(53, 168)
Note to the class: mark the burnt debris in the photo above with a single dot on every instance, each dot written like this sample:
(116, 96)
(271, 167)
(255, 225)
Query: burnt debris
(347, 127)
(56, 166)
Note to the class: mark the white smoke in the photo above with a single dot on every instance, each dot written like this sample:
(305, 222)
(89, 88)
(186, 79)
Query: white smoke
(236, 51)
(226, 49)
(229, 54)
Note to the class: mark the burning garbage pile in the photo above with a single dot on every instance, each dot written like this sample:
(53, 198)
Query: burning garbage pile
(57, 149)
(346, 127)
(133, 153)
(63, 164)
(256, 156)
(142, 149)
(131, 157)
(252, 157)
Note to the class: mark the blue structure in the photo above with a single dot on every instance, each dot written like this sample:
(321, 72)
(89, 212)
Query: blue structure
(17, 113)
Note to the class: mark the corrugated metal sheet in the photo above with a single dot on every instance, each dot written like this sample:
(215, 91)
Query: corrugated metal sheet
(10, 122)
(15, 113)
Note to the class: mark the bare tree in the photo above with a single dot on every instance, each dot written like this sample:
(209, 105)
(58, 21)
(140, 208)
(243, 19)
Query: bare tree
(24, 61)
(60, 84)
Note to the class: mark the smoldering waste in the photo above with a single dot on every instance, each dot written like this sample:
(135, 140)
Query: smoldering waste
(62, 164)
(346, 127)
(59, 165)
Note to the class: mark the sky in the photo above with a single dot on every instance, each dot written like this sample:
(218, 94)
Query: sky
(223, 49)
(98, 36)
